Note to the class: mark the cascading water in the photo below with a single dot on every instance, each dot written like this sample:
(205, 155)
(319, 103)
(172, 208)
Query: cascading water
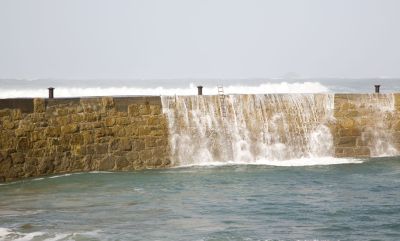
(377, 133)
(255, 127)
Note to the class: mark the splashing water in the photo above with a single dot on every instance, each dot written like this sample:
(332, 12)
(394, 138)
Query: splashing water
(248, 128)
(377, 133)
(70, 91)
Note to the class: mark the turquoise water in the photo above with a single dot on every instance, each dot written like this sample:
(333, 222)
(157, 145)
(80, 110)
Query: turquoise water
(237, 202)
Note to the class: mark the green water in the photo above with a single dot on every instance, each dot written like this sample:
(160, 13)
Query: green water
(236, 202)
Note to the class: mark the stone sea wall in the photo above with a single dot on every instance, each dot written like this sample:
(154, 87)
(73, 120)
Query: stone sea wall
(47, 136)
(366, 125)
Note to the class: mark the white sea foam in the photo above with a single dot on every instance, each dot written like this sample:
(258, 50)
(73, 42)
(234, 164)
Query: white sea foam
(318, 161)
(4, 232)
(63, 175)
(282, 87)
(101, 172)
(58, 237)
(7, 234)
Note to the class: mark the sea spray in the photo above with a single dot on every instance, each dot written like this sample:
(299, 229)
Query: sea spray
(273, 127)
(129, 90)
(377, 134)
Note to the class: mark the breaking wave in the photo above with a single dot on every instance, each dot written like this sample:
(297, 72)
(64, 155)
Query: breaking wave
(282, 87)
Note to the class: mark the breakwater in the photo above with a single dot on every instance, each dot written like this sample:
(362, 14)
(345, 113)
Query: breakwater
(46, 136)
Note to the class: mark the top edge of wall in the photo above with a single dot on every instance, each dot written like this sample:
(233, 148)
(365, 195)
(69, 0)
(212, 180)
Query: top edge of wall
(26, 105)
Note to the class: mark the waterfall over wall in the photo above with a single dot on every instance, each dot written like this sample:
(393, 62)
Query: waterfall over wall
(246, 128)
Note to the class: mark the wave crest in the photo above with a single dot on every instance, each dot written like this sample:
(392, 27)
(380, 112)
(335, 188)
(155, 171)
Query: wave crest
(282, 87)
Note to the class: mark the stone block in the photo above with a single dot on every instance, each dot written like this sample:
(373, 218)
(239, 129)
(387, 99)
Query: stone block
(132, 130)
(150, 142)
(77, 139)
(107, 102)
(52, 131)
(110, 121)
(362, 141)
(155, 109)
(132, 156)
(159, 132)
(36, 135)
(16, 114)
(88, 137)
(102, 132)
(119, 131)
(144, 130)
(106, 164)
(397, 100)
(350, 132)
(8, 124)
(101, 148)
(123, 121)
(91, 117)
(39, 105)
(138, 144)
(153, 120)
(144, 109)
(344, 151)
(69, 129)
(26, 125)
(18, 158)
(145, 155)
(39, 144)
(113, 145)
(64, 120)
(396, 125)
(29, 167)
(90, 149)
(97, 125)
(347, 123)
(46, 165)
(162, 142)
(77, 118)
(5, 112)
(352, 113)
(396, 137)
(121, 163)
(22, 144)
(347, 141)
(124, 144)
(362, 152)
(62, 111)
(78, 150)
(133, 110)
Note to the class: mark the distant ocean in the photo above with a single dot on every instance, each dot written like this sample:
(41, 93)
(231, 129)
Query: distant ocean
(11, 88)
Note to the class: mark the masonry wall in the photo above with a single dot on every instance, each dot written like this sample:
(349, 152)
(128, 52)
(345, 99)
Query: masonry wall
(366, 125)
(47, 136)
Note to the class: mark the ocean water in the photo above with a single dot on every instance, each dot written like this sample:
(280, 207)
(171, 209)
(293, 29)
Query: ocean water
(342, 200)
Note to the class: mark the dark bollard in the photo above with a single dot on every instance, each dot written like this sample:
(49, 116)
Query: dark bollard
(200, 90)
(377, 89)
(51, 93)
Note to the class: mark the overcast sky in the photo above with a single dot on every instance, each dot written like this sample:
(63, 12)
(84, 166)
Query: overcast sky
(199, 38)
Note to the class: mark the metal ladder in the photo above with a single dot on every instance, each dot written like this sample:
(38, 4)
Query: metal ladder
(228, 136)
(222, 100)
